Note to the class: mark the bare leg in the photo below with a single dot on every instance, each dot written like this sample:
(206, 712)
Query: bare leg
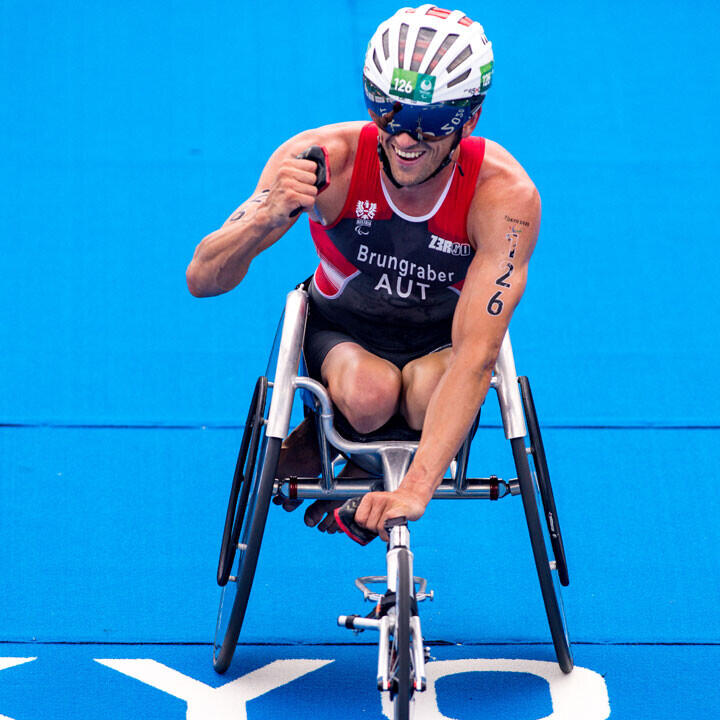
(364, 386)
(366, 389)
(420, 378)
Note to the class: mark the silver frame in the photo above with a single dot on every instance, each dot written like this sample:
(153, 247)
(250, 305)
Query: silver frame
(390, 460)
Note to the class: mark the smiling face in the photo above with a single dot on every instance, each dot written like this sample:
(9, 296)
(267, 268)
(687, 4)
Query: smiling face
(412, 161)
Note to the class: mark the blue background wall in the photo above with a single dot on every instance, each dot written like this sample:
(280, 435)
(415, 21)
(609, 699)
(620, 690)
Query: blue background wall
(130, 130)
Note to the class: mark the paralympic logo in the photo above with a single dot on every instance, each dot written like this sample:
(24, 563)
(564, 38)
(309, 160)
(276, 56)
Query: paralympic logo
(580, 694)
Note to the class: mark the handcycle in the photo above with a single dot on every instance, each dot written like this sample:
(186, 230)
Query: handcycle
(401, 652)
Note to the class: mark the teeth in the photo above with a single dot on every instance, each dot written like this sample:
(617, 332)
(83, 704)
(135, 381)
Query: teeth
(408, 155)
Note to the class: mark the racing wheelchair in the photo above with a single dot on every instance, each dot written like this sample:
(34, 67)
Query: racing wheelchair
(401, 653)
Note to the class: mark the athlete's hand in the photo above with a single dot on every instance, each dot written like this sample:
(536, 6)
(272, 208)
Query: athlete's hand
(319, 514)
(294, 188)
(378, 507)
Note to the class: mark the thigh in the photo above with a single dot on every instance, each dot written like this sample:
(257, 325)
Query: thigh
(321, 336)
(348, 363)
(420, 377)
(365, 387)
(427, 369)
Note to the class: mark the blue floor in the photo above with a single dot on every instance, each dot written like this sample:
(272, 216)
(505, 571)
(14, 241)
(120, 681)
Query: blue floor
(98, 521)
(632, 682)
(132, 130)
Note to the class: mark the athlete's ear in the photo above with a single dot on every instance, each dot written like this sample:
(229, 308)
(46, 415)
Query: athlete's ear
(469, 126)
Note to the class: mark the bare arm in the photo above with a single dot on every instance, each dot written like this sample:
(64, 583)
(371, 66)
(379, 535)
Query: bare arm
(503, 225)
(493, 288)
(222, 258)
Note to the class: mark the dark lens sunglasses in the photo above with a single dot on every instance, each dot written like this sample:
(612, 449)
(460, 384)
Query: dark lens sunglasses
(424, 122)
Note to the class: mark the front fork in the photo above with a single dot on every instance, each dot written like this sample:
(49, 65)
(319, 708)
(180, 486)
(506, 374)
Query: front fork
(389, 630)
(385, 618)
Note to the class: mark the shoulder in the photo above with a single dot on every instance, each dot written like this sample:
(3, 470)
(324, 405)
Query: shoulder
(501, 176)
(504, 193)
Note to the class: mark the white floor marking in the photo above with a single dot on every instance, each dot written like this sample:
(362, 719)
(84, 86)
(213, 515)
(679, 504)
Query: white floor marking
(581, 694)
(8, 662)
(228, 702)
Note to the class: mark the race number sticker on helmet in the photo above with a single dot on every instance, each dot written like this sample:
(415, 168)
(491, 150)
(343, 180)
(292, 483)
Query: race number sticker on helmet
(486, 76)
(412, 85)
(430, 44)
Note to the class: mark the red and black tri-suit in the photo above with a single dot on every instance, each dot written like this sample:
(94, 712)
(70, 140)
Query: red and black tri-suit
(388, 281)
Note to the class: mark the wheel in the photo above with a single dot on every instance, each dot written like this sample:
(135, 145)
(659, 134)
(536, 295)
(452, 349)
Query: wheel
(543, 477)
(542, 551)
(242, 479)
(235, 595)
(401, 693)
(248, 529)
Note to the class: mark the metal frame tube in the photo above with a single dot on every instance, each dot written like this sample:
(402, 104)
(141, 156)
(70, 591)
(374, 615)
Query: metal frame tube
(505, 383)
(291, 342)
(312, 489)
(418, 651)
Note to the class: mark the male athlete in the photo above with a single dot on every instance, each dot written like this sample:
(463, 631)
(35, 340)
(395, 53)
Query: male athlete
(424, 235)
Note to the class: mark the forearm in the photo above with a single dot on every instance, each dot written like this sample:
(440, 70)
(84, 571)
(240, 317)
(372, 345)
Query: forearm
(223, 257)
(449, 417)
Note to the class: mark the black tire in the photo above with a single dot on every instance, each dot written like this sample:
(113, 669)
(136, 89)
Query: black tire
(235, 595)
(549, 581)
(543, 477)
(402, 685)
(242, 480)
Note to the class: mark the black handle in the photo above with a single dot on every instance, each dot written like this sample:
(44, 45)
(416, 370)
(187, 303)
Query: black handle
(322, 177)
(390, 523)
(345, 518)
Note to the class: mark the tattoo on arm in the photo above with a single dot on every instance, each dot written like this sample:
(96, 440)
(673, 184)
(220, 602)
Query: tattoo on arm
(501, 280)
(240, 213)
(495, 304)
(260, 197)
(515, 221)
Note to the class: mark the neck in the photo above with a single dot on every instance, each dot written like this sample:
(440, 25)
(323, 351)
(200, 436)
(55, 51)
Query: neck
(418, 200)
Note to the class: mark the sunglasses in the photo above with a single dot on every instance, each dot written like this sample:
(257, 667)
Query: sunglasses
(424, 122)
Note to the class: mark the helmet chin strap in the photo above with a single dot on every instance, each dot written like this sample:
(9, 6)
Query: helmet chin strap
(386, 162)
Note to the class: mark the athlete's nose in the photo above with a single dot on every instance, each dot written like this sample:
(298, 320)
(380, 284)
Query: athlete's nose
(405, 140)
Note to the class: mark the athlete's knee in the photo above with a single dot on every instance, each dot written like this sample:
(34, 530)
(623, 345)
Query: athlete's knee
(367, 394)
(419, 382)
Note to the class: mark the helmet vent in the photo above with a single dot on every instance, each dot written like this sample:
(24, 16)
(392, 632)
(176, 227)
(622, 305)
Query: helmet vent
(401, 44)
(431, 57)
(446, 44)
(458, 79)
(377, 62)
(425, 36)
(464, 55)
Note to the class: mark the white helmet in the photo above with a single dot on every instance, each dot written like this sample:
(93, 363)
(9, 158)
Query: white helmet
(427, 56)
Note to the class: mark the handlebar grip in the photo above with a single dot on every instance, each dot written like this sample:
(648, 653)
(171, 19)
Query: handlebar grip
(345, 518)
(318, 154)
(390, 523)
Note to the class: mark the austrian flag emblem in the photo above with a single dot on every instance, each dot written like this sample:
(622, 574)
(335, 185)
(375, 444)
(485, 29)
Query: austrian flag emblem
(365, 211)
